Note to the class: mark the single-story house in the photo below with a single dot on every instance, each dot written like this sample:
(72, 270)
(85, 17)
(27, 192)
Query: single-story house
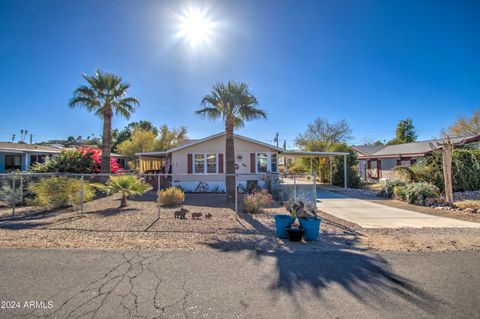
(201, 163)
(376, 163)
(19, 156)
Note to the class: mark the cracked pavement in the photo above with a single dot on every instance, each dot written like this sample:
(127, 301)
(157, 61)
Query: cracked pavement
(235, 284)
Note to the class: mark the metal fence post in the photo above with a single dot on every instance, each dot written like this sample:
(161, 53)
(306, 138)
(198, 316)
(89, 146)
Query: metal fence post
(314, 189)
(21, 190)
(13, 194)
(81, 196)
(158, 193)
(295, 188)
(236, 195)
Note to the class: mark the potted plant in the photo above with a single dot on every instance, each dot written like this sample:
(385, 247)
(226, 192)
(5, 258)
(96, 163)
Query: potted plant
(310, 222)
(295, 232)
(283, 221)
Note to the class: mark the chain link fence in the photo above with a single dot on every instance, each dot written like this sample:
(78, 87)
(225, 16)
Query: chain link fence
(72, 196)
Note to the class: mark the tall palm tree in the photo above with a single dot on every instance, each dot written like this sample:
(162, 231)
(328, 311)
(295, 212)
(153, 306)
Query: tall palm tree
(105, 95)
(234, 104)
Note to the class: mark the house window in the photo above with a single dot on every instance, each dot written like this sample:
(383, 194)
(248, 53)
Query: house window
(274, 162)
(199, 163)
(205, 163)
(211, 163)
(13, 162)
(37, 159)
(262, 163)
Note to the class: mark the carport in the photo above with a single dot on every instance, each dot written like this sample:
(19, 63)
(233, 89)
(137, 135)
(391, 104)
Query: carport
(319, 155)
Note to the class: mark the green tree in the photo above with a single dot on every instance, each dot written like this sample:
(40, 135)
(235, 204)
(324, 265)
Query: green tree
(169, 138)
(404, 133)
(140, 141)
(234, 104)
(322, 133)
(105, 95)
(119, 136)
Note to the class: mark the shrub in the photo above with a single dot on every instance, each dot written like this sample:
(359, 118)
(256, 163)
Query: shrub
(171, 196)
(82, 160)
(418, 193)
(126, 185)
(465, 170)
(387, 190)
(399, 193)
(405, 174)
(464, 204)
(254, 203)
(57, 192)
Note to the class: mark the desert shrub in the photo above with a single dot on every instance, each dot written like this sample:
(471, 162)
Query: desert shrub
(387, 190)
(399, 192)
(464, 204)
(465, 169)
(405, 174)
(418, 193)
(256, 202)
(7, 194)
(125, 185)
(171, 196)
(57, 192)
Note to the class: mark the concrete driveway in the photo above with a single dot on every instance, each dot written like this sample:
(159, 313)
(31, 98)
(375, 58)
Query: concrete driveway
(372, 215)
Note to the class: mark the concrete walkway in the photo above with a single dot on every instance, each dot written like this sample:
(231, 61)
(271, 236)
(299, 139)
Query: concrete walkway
(372, 215)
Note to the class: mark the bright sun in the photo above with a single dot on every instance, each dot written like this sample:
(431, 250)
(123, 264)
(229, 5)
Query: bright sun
(196, 27)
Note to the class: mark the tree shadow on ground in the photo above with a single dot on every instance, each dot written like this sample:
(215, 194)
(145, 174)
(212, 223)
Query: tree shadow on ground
(107, 212)
(367, 277)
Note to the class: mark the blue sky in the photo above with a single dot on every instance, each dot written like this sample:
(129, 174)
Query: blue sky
(369, 62)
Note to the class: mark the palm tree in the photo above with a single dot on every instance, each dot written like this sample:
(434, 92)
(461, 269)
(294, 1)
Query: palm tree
(234, 104)
(105, 95)
(126, 185)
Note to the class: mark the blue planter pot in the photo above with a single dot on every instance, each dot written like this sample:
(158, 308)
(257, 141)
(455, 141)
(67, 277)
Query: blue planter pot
(311, 227)
(281, 224)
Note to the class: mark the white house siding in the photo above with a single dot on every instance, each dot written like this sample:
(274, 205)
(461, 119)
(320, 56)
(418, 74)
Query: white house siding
(243, 148)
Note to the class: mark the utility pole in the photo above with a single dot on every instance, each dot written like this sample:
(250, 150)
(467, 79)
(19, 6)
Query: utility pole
(276, 139)
(447, 151)
(31, 138)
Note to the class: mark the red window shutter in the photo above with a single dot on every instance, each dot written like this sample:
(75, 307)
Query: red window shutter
(252, 163)
(369, 164)
(189, 163)
(220, 163)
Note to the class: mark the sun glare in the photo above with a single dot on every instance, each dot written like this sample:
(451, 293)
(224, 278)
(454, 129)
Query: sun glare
(196, 27)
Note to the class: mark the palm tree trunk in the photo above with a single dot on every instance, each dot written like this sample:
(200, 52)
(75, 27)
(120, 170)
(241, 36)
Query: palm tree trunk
(106, 139)
(123, 202)
(230, 162)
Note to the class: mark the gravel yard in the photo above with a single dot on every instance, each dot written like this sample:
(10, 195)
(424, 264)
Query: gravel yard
(142, 225)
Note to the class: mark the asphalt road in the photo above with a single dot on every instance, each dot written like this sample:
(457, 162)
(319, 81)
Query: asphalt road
(239, 284)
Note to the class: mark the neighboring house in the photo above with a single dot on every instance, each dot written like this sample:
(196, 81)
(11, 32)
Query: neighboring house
(202, 162)
(377, 162)
(17, 156)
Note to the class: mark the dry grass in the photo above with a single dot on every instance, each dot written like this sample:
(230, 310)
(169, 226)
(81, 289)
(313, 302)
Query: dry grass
(468, 204)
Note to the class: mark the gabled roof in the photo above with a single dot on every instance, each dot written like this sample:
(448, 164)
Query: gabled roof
(20, 147)
(410, 149)
(208, 138)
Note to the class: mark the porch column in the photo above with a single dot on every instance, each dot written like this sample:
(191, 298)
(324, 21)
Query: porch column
(345, 171)
(26, 161)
